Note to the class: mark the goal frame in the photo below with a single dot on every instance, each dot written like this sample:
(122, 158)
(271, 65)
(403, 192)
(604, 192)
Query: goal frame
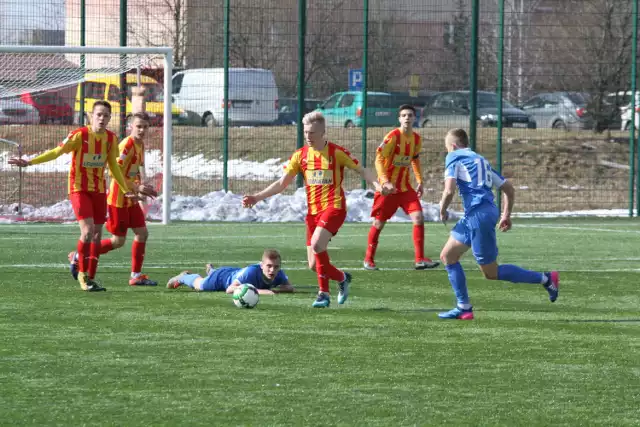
(167, 135)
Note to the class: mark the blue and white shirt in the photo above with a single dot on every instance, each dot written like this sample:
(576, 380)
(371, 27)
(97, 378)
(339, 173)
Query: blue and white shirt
(474, 177)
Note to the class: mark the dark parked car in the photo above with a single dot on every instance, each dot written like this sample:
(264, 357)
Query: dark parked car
(51, 107)
(288, 112)
(451, 109)
(560, 110)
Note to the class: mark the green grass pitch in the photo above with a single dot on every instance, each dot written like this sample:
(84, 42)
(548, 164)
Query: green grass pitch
(150, 356)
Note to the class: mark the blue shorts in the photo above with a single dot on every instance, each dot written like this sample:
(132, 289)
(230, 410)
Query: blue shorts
(215, 281)
(478, 230)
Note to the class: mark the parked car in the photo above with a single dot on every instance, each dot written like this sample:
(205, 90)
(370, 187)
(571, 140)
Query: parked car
(14, 111)
(253, 95)
(107, 88)
(451, 109)
(345, 109)
(288, 114)
(51, 107)
(622, 99)
(560, 110)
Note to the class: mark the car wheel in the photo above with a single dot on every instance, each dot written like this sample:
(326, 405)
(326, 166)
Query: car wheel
(349, 124)
(559, 124)
(209, 121)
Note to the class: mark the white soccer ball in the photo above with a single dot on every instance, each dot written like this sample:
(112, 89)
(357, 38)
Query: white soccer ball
(246, 296)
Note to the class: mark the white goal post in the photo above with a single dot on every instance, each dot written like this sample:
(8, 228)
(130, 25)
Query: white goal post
(9, 51)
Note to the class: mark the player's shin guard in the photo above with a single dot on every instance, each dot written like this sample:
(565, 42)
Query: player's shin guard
(94, 256)
(372, 243)
(458, 282)
(418, 241)
(83, 249)
(137, 256)
(513, 273)
(105, 246)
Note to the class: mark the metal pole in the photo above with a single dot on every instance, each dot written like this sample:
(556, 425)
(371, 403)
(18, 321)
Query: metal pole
(365, 72)
(500, 71)
(302, 30)
(632, 128)
(226, 103)
(123, 76)
(167, 141)
(83, 42)
(473, 74)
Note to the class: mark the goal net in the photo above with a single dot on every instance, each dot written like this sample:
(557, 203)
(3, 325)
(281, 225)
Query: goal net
(47, 91)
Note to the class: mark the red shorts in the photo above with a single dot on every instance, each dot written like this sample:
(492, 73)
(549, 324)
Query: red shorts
(89, 205)
(329, 219)
(384, 207)
(122, 219)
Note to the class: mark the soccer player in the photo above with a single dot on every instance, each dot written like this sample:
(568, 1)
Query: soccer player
(124, 213)
(399, 150)
(267, 277)
(93, 147)
(322, 164)
(475, 179)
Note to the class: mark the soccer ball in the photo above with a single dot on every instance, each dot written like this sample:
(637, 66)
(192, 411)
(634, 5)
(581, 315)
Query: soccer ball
(246, 296)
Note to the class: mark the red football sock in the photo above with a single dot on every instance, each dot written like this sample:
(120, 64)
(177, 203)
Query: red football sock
(418, 241)
(94, 255)
(372, 243)
(105, 246)
(83, 249)
(326, 271)
(137, 256)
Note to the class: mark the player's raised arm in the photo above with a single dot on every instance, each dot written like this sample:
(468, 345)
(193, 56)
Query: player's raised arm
(290, 171)
(276, 187)
(70, 143)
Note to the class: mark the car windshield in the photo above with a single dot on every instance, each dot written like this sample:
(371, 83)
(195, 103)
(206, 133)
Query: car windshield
(152, 92)
(490, 100)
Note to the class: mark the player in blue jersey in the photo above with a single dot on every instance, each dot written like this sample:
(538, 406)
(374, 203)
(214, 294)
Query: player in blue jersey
(475, 179)
(266, 276)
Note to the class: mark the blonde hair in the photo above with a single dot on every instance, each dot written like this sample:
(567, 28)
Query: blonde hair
(313, 117)
(272, 254)
(462, 139)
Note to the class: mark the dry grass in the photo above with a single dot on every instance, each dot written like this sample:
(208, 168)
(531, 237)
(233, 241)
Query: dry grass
(554, 170)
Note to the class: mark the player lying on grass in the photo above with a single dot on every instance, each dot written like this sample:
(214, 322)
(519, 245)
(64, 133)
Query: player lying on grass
(475, 179)
(267, 277)
(321, 164)
(92, 148)
(124, 213)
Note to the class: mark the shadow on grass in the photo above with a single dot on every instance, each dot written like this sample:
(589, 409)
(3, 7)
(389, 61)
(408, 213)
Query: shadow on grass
(411, 310)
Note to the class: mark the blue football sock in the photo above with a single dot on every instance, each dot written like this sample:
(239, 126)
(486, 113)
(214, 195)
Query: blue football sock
(458, 282)
(515, 274)
(188, 279)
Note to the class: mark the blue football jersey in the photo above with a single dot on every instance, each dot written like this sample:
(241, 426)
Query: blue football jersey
(474, 176)
(253, 275)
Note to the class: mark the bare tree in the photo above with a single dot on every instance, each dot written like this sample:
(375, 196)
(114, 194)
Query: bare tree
(160, 23)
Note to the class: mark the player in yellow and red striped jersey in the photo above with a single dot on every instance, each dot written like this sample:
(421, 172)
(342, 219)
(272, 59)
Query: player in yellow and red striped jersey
(399, 150)
(92, 148)
(322, 165)
(124, 213)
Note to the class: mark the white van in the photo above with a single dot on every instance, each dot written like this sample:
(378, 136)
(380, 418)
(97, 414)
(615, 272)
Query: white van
(253, 95)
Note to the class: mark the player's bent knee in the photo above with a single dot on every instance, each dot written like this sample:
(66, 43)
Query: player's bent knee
(118, 242)
(312, 265)
(379, 224)
(142, 235)
(490, 275)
